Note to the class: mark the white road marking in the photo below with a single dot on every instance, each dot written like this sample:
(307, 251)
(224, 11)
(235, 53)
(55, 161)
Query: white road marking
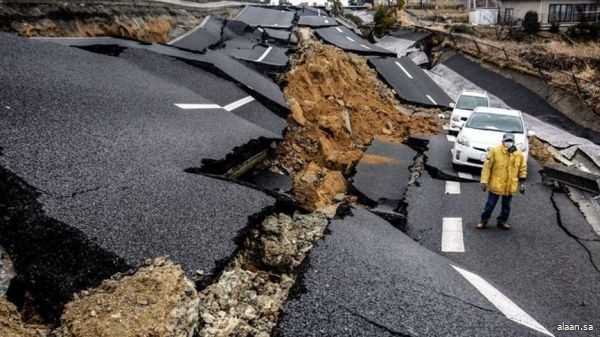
(318, 12)
(234, 105)
(197, 106)
(451, 138)
(452, 187)
(404, 70)
(431, 99)
(452, 235)
(511, 310)
(262, 57)
(465, 175)
(349, 38)
(191, 31)
(339, 29)
(275, 24)
(229, 107)
(362, 45)
(240, 13)
(326, 21)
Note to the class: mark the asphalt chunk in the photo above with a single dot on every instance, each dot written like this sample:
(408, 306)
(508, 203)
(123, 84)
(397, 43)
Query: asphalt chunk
(410, 82)
(383, 172)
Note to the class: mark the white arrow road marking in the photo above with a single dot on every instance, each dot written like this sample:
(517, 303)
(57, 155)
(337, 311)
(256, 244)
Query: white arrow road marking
(452, 235)
(339, 29)
(404, 70)
(197, 106)
(452, 187)
(465, 175)
(501, 302)
(431, 99)
(349, 38)
(451, 138)
(262, 57)
(234, 105)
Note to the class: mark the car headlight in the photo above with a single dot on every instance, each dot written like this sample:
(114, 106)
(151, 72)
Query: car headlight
(462, 140)
(455, 118)
(523, 146)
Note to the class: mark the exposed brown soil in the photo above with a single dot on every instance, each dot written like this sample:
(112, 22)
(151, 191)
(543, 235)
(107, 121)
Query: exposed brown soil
(11, 324)
(157, 300)
(338, 105)
(144, 22)
(540, 152)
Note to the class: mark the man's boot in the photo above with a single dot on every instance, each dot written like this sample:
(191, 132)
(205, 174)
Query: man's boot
(504, 226)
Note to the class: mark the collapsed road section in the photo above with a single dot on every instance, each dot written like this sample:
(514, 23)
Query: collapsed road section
(122, 141)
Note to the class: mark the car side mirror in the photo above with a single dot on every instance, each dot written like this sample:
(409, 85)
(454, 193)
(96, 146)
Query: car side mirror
(530, 133)
(452, 105)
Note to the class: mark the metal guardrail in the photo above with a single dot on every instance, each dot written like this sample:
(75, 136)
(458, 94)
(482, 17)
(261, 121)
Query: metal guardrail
(585, 88)
(573, 177)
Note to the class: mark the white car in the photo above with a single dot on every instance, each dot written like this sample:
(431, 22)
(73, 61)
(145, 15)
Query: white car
(462, 110)
(483, 130)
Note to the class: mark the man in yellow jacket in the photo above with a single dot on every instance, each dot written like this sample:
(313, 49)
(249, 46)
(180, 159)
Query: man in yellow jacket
(503, 173)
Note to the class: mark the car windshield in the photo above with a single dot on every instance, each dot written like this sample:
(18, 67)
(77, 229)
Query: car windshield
(495, 122)
(471, 102)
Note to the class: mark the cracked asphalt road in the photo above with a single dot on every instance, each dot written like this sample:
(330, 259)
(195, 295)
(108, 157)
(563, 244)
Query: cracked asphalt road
(105, 145)
(537, 264)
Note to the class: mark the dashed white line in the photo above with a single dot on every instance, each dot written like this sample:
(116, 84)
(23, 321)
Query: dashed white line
(511, 310)
(431, 99)
(452, 235)
(326, 21)
(351, 39)
(366, 47)
(234, 105)
(197, 106)
(451, 138)
(465, 175)
(318, 12)
(452, 187)
(404, 70)
(339, 29)
(262, 57)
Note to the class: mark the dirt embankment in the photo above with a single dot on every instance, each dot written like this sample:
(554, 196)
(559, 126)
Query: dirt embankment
(156, 300)
(337, 106)
(11, 324)
(149, 23)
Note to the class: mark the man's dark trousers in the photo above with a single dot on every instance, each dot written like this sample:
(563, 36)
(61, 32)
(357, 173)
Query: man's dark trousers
(491, 204)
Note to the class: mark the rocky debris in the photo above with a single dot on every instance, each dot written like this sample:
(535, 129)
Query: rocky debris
(338, 106)
(317, 187)
(245, 301)
(540, 151)
(7, 271)
(149, 23)
(155, 300)
(11, 324)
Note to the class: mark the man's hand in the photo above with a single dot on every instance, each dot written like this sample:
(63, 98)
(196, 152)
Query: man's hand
(484, 187)
(522, 188)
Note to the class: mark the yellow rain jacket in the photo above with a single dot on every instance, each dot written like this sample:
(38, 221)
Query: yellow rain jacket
(502, 170)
